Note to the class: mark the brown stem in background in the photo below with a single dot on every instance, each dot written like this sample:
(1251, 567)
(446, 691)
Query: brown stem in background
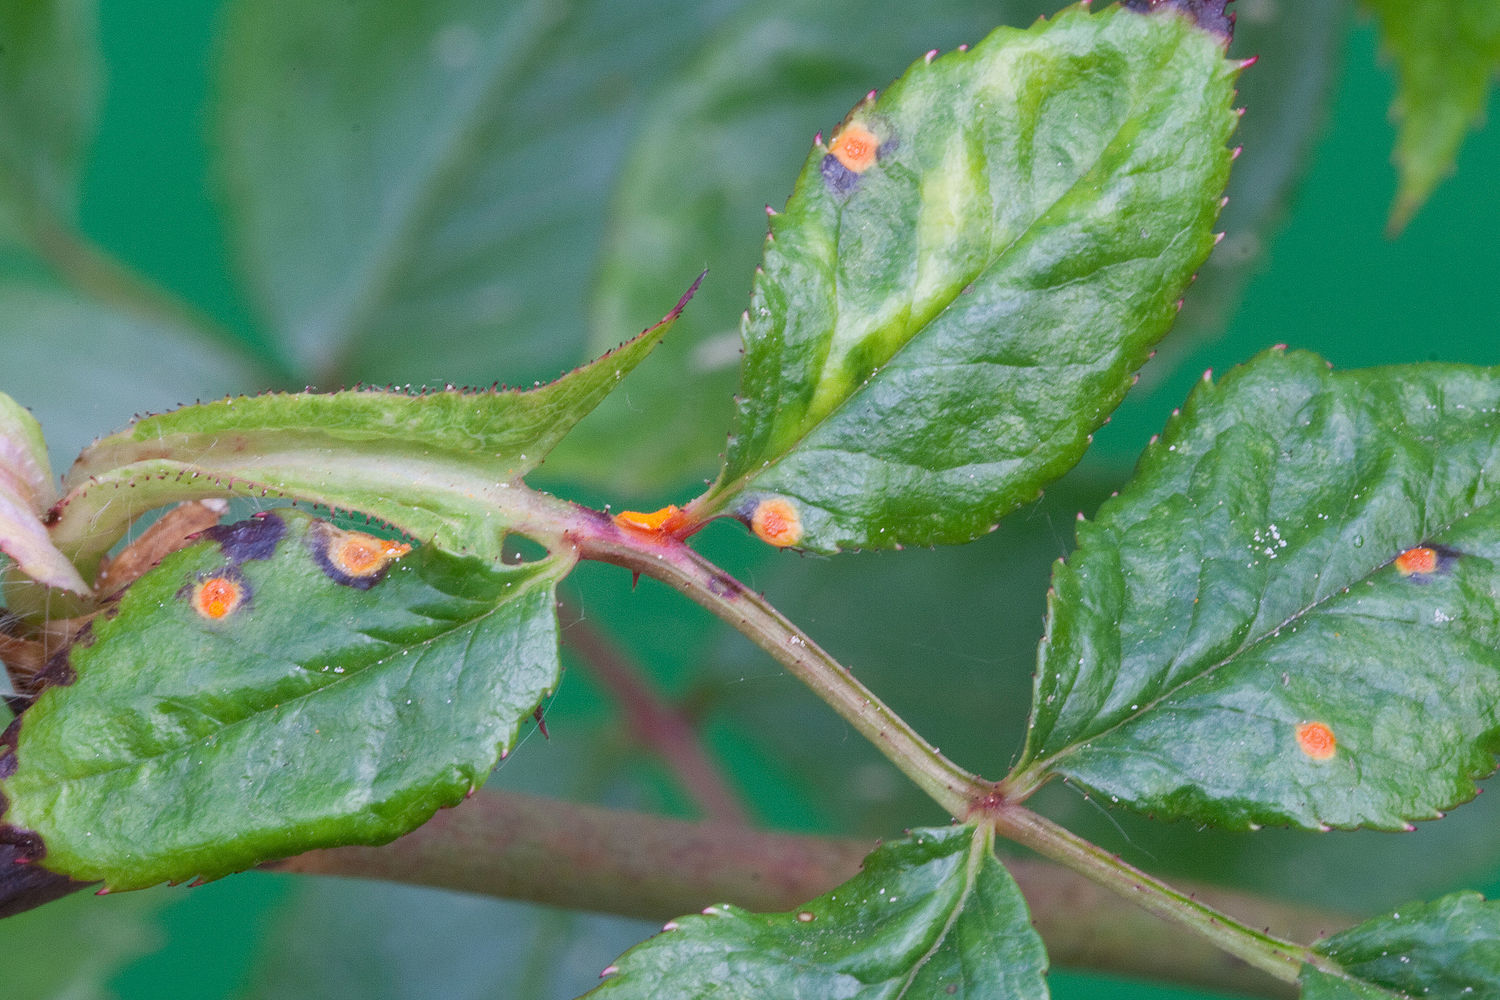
(652, 721)
(640, 865)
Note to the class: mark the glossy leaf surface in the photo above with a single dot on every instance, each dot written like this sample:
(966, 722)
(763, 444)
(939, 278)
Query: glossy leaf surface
(49, 83)
(26, 491)
(443, 466)
(255, 696)
(1289, 614)
(939, 327)
(1448, 949)
(930, 916)
(1446, 53)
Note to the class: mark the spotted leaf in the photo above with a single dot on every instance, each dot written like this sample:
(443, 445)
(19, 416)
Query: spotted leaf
(281, 685)
(968, 272)
(930, 916)
(1289, 615)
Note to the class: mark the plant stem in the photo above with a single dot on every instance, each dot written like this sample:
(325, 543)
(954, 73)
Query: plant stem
(1282, 959)
(669, 560)
(641, 865)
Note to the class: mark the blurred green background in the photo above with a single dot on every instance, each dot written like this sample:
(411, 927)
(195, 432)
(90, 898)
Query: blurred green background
(256, 161)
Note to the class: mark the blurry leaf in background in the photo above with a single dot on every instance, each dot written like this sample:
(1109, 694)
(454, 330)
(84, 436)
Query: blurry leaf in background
(1446, 54)
(97, 937)
(84, 366)
(346, 938)
(49, 87)
(417, 189)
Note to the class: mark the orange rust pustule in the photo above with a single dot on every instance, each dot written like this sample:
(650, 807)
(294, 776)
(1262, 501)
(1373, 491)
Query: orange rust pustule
(1316, 740)
(353, 558)
(1422, 559)
(218, 597)
(775, 520)
(663, 520)
(856, 147)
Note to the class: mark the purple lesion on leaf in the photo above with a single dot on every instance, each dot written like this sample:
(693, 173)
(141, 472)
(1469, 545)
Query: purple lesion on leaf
(255, 538)
(1210, 15)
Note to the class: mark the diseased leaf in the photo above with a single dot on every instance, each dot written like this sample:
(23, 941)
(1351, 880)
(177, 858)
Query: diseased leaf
(419, 188)
(968, 273)
(26, 491)
(444, 466)
(1447, 53)
(1289, 614)
(49, 90)
(281, 686)
(1448, 949)
(930, 916)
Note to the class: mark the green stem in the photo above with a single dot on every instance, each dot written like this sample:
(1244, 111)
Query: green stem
(669, 560)
(1282, 959)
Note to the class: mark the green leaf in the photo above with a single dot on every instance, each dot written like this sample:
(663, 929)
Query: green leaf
(1447, 52)
(263, 692)
(418, 189)
(1246, 585)
(937, 331)
(49, 89)
(26, 491)
(1448, 949)
(444, 466)
(932, 915)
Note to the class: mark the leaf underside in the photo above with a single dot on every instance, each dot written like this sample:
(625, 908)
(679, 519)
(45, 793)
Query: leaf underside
(440, 465)
(1235, 639)
(930, 916)
(1448, 949)
(26, 490)
(321, 707)
(937, 329)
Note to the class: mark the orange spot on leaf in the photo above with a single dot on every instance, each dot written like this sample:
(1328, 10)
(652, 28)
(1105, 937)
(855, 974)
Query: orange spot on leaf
(1316, 740)
(360, 555)
(1421, 559)
(775, 520)
(855, 147)
(218, 597)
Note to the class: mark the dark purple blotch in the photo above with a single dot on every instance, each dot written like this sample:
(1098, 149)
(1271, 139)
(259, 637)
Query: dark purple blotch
(255, 538)
(840, 179)
(1210, 15)
(320, 539)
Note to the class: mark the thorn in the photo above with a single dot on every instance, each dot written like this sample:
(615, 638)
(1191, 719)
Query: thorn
(541, 723)
(1247, 63)
(1234, 154)
(930, 56)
